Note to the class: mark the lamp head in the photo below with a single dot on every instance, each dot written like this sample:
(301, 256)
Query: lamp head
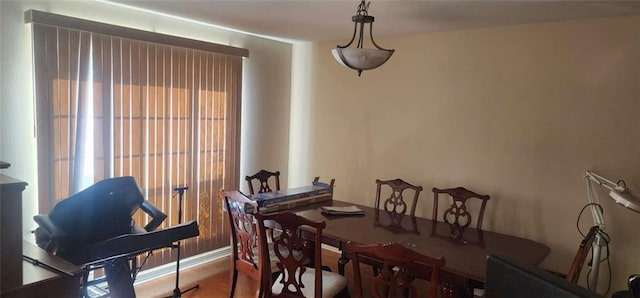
(625, 198)
(618, 191)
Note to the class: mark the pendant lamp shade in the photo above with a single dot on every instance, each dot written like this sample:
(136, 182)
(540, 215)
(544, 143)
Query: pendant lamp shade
(357, 57)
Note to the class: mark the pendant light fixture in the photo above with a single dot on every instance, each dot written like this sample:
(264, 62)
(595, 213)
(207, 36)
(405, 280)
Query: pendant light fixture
(357, 57)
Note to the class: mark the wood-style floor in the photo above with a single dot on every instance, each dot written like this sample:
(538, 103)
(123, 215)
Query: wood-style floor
(213, 280)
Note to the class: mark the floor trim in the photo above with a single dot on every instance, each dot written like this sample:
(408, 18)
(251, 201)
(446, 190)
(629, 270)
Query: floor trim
(186, 263)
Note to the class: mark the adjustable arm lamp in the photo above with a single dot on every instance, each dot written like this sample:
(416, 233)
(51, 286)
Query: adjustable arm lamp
(619, 193)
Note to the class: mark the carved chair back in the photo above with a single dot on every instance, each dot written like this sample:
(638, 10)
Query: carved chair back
(290, 264)
(391, 211)
(457, 215)
(244, 238)
(395, 278)
(263, 180)
(397, 203)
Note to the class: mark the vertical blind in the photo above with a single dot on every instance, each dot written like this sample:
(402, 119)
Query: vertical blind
(169, 116)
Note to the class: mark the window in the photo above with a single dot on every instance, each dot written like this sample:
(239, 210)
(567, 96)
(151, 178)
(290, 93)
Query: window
(165, 114)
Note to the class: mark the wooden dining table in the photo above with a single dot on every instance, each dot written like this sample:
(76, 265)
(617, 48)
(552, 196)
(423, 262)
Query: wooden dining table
(465, 250)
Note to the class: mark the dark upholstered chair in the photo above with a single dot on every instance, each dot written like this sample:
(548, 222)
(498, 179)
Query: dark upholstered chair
(395, 278)
(77, 228)
(263, 178)
(295, 279)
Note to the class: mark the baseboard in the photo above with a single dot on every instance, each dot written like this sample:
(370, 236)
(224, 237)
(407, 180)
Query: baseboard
(331, 248)
(186, 263)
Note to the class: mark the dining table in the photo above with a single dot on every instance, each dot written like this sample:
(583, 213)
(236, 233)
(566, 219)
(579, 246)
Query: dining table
(465, 250)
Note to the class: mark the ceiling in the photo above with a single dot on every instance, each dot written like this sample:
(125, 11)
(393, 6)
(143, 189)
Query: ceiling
(319, 20)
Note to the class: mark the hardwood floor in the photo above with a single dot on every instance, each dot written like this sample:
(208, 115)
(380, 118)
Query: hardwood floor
(213, 280)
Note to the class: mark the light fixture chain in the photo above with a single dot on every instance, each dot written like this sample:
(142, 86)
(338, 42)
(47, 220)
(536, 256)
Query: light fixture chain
(361, 36)
(363, 8)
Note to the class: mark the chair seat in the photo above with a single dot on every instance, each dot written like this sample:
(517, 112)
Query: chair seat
(294, 278)
(332, 283)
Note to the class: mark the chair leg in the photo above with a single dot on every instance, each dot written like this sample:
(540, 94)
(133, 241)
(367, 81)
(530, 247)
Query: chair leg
(375, 270)
(264, 288)
(232, 284)
(344, 293)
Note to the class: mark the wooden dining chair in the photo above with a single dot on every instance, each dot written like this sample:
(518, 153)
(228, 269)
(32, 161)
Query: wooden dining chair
(245, 258)
(458, 217)
(457, 214)
(295, 279)
(263, 178)
(396, 202)
(244, 239)
(396, 278)
(581, 255)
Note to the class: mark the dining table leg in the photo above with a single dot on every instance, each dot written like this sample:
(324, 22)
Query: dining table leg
(342, 261)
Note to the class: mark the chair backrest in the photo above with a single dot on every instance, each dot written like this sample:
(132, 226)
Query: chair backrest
(581, 255)
(284, 244)
(263, 180)
(457, 214)
(394, 279)
(396, 203)
(244, 238)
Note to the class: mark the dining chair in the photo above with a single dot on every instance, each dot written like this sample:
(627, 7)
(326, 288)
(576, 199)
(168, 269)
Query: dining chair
(295, 279)
(396, 203)
(458, 217)
(397, 200)
(263, 177)
(244, 239)
(573, 274)
(396, 278)
(457, 214)
(581, 255)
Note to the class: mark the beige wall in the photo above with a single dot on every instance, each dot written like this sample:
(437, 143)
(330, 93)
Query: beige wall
(266, 88)
(517, 112)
